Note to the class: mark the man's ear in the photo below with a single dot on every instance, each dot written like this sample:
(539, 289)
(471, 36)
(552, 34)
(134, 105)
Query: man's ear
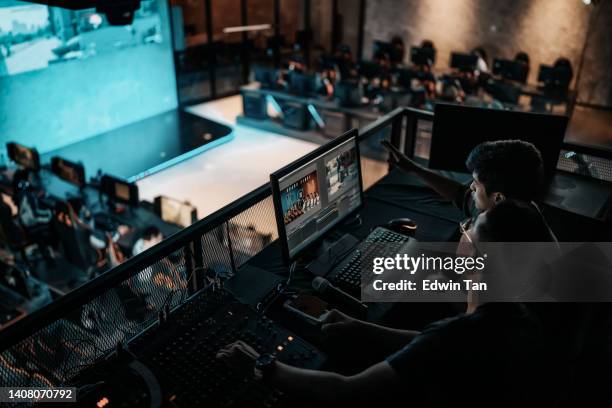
(499, 197)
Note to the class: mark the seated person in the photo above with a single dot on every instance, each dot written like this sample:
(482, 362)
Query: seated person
(523, 58)
(34, 218)
(481, 64)
(76, 215)
(150, 236)
(497, 349)
(30, 211)
(345, 64)
(326, 79)
(398, 51)
(501, 169)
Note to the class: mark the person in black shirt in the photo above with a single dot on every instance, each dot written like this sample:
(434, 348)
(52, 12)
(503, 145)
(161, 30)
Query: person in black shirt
(500, 169)
(492, 356)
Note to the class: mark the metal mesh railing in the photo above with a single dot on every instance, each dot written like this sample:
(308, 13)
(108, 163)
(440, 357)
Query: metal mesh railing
(59, 350)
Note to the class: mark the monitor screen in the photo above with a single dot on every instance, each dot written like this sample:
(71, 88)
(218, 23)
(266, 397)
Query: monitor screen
(316, 192)
(69, 171)
(458, 129)
(302, 84)
(175, 211)
(120, 191)
(512, 70)
(422, 55)
(23, 156)
(555, 77)
(463, 62)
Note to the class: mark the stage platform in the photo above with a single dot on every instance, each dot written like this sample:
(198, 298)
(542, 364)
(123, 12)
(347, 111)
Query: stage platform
(142, 148)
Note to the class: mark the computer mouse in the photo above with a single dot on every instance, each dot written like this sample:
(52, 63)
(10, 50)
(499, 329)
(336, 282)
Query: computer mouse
(403, 226)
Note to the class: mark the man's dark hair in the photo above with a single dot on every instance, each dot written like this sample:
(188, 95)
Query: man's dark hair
(514, 221)
(511, 167)
(150, 231)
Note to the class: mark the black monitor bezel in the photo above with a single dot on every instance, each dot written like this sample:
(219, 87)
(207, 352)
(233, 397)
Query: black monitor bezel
(290, 168)
(79, 166)
(549, 169)
(500, 66)
(10, 148)
(453, 63)
(157, 206)
(105, 185)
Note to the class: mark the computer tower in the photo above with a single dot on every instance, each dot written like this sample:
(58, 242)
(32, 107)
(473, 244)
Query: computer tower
(254, 106)
(335, 123)
(295, 115)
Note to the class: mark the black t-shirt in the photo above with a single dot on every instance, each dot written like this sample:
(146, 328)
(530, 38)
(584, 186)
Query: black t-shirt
(492, 357)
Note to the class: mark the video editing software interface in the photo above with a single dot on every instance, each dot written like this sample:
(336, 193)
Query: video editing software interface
(319, 194)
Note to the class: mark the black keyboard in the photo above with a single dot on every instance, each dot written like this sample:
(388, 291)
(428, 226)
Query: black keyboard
(182, 355)
(347, 275)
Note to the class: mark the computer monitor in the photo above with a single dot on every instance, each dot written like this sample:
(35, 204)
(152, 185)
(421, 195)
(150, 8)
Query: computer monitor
(265, 76)
(175, 212)
(369, 69)
(509, 69)
(348, 93)
(423, 56)
(316, 192)
(120, 191)
(302, 84)
(463, 62)
(71, 172)
(382, 47)
(24, 156)
(555, 77)
(15, 279)
(457, 129)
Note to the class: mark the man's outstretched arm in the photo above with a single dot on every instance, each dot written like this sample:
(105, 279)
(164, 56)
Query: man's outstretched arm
(446, 187)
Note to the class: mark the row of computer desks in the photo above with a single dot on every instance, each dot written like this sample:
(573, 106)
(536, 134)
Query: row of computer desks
(296, 107)
(212, 283)
(111, 208)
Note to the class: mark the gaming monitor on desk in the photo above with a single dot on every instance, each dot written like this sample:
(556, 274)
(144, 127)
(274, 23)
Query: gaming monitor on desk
(119, 191)
(457, 129)
(302, 84)
(555, 78)
(511, 70)
(175, 212)
(71, 172)
(463, 62)
(316, 192)
(423, 56)
(24, 156)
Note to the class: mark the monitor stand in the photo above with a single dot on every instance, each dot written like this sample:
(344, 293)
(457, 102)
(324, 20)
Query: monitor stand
(330, 253)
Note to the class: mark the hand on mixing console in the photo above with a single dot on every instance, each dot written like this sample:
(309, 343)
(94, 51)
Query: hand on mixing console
(338, 325)
(239, 355)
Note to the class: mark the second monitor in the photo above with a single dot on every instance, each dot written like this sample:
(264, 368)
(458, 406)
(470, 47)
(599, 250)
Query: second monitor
(316, 192)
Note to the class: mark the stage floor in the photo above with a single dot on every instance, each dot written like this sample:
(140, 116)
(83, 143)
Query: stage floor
(146, 147)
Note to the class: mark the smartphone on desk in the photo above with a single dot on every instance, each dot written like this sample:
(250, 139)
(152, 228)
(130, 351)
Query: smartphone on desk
(308, 307)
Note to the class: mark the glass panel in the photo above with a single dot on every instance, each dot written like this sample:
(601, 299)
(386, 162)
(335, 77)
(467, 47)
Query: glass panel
(192, 48)
(291, 26)
(261, 13)
(226, 16)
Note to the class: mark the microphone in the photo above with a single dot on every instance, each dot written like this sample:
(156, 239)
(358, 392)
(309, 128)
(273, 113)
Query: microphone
(335, 295)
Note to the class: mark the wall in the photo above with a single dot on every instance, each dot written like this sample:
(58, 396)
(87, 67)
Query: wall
(71, 101)
(546, 29)
(595, 84)
(349, 10)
